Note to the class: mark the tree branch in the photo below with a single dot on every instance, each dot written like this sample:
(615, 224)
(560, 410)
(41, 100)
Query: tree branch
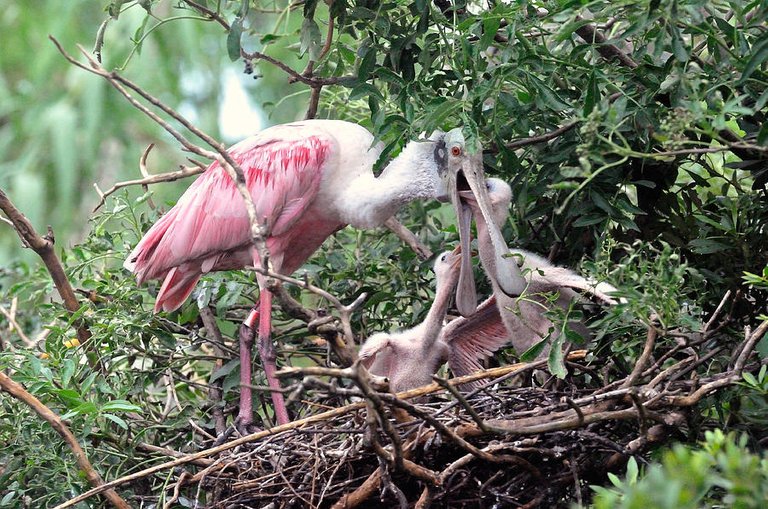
(608, 51)
(43, 246)
(93, 477)
(534, 140)
(185, 171)
(219, 153)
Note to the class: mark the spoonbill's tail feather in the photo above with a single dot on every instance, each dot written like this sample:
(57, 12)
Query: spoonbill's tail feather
(177, 286)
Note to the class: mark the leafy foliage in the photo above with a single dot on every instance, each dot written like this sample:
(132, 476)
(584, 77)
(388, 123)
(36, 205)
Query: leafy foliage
(654, 183)
(722, 471)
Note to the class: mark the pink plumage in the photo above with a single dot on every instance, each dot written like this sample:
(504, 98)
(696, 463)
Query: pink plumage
(208, 228)
(307, 180)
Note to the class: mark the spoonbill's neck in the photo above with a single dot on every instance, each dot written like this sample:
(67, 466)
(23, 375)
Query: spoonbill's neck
(369, 200)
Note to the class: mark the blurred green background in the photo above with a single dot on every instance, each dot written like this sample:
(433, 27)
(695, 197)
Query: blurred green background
(63, 129)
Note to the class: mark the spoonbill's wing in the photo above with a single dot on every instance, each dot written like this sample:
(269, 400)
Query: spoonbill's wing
(474, 338)
(560, 277)
(283, 170)
(376, 354)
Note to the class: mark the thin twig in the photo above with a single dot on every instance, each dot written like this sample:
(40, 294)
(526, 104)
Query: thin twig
(534, 140)
(215, 16)
(650, 341)
(717, 311)
(295, 76)
(14, 325)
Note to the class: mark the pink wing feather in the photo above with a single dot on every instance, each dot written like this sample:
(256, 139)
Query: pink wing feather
(475, 338)
(283, 169)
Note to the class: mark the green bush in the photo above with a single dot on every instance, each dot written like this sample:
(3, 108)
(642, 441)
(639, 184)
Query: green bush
(722, 472)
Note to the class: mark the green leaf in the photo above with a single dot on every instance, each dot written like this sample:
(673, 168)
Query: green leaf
(120, 404)
(556, 361)
(364, 90)
(708, 246)
(533, 352)
(310, 38)
(632, 471)
(67, 370)
(233, 39)
(678, 48)
(436, 114)
(367, 64)
(270, 38)
(69, 397)
(224, 370)
(590, 219)
(491, 25)
(750, 379)
(758, 56)
(117, 420)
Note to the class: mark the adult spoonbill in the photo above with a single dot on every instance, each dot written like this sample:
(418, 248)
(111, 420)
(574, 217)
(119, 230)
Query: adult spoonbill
(410, 357)
(522, 319)
(307, 180)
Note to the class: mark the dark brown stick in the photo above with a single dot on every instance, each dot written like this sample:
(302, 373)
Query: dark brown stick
(533, 140)
(43, 246)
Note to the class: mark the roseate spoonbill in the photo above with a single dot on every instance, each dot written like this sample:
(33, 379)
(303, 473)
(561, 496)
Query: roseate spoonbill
(520, 320)
(410, 357)
(307, 179)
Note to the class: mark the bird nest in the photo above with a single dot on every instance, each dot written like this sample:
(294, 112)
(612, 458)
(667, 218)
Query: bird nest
(502, 445)
(335, 463)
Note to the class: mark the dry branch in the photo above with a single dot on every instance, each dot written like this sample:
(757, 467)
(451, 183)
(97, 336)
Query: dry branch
(18, 392)
(325, 416)
(43, 247)
(14, 325)
(534, 140)
(219, 152)
(185, 171)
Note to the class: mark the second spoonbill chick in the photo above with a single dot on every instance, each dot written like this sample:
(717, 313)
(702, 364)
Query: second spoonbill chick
(410, 357)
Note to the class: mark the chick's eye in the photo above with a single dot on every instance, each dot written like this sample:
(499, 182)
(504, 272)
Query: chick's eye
(455, 151)
(443, 257)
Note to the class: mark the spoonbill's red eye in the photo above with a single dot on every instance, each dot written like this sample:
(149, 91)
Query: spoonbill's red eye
(456, 151)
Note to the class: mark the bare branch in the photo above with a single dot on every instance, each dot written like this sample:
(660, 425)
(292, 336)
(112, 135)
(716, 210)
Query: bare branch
(608, 51)
(213, 15)
(15, 326)
(294, 76)
(650, 341)
(43, 246)
(534, 140)
(122, 84)
(185, 171)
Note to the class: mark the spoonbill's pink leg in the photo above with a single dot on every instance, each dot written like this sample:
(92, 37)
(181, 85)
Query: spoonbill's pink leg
(269, 356)
(245, 415)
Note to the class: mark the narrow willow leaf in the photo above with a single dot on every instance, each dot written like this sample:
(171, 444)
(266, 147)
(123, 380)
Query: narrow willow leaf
(233, 39)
